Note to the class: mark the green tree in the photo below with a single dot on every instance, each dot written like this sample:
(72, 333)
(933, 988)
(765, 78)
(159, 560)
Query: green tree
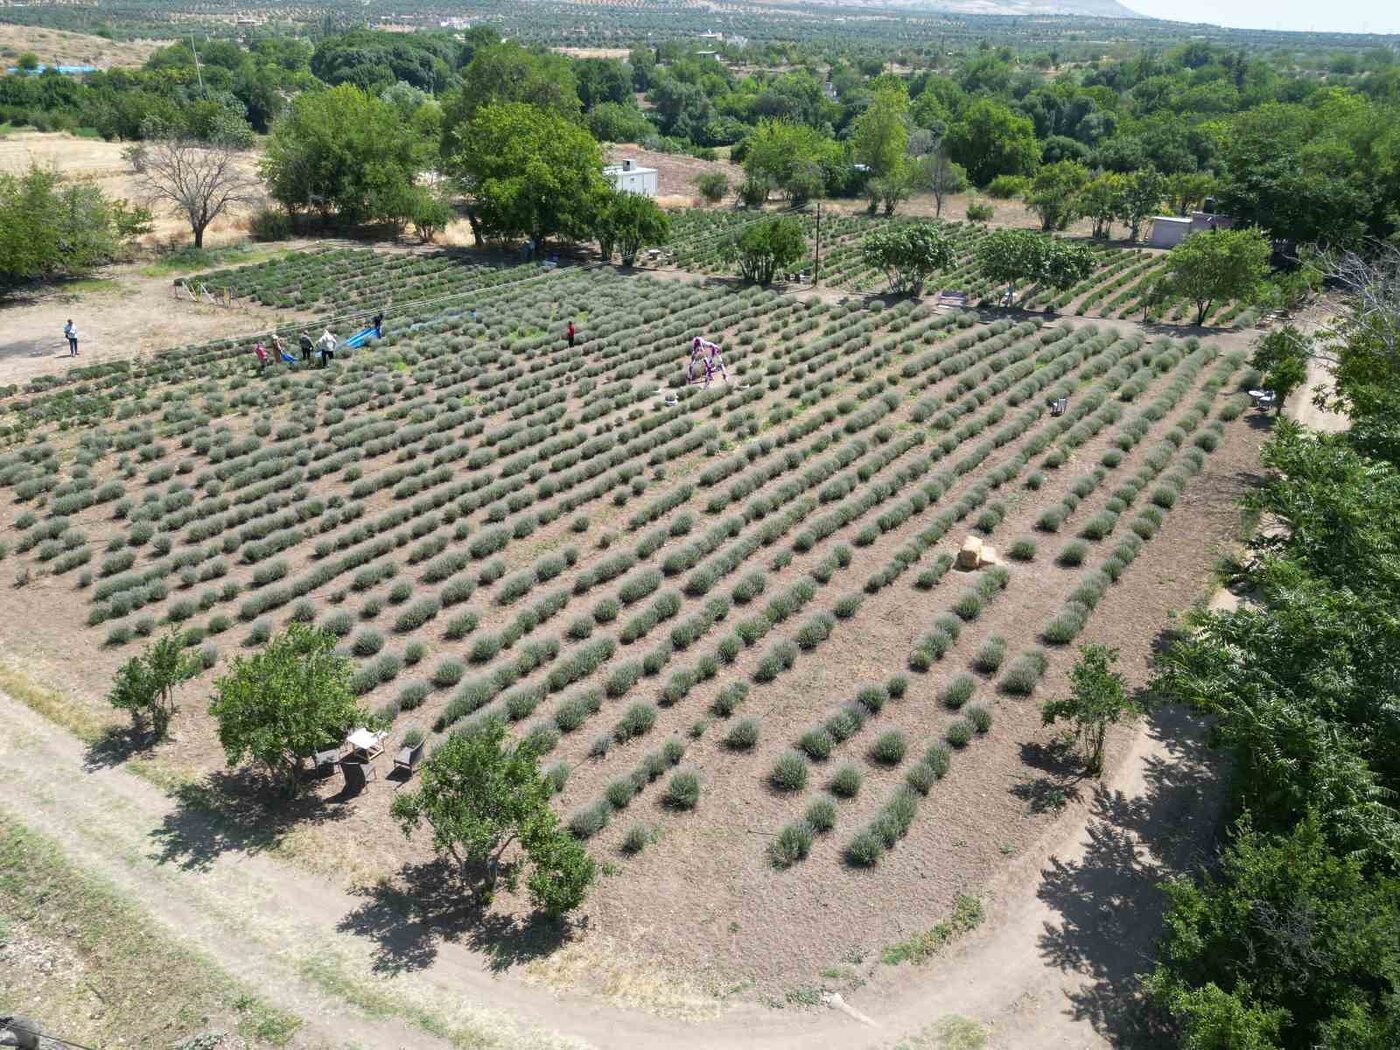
(620, 122)
(627, 222)
(145, 685)
(480, 796)
(28, 61)
(1008, 256)
(528, 170)
(713, 186)
(792, 157)
(1288, 945)
(50, 228)
(880, 135)
(1216, 266)
(1101, 200)
(991, 140)
(507, 72)
(909, 253)
(284, 702)
(1055, 193)
(1066, 263)
(340, 152)
(1282, 357)
(1098, 699)
(1187, 190)
(1141, 197)
(769, 246)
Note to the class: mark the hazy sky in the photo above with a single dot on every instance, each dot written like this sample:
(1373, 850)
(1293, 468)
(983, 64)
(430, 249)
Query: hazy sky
(1336, 16)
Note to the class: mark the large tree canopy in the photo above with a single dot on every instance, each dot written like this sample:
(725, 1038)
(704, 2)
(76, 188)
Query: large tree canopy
(340, 152)
(49, 228)
(992, 140)
(1212, 267)
(529, 171)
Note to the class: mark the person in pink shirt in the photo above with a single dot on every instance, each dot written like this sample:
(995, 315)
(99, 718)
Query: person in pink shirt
(260, 352)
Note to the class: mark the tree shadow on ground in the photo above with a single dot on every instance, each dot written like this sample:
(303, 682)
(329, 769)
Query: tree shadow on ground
(1109, 903)
(235, 811)
(1058, 779)
(116, 744)
(428, 905)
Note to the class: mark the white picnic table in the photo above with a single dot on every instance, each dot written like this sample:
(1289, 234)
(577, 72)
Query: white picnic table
(366, 741)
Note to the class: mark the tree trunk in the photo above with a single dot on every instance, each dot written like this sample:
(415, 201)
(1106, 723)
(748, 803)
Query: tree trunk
(198, 236)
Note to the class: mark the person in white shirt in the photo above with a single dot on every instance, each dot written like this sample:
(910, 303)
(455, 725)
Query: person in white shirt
(325, 346)
(70, 332)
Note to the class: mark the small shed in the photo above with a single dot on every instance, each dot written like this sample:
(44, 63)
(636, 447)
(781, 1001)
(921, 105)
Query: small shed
(1170, 230)
(629, 177)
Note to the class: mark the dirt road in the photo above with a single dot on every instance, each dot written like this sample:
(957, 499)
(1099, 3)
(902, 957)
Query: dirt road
(1045, 971)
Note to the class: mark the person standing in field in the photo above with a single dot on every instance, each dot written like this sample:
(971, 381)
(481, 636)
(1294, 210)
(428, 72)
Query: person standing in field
(571, 334)
(326, 346)
(279, 352)
(260, 352)
(305, 343)
(70, 332)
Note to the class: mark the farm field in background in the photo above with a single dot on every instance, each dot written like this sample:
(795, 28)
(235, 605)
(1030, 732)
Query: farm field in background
(725, 616)
(1116, 289)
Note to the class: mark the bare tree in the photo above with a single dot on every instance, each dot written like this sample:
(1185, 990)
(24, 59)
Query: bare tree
(198, 180)
(934, 169)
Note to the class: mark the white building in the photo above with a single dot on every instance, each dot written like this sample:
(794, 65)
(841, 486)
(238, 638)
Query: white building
(628, 177)
(1170, 230)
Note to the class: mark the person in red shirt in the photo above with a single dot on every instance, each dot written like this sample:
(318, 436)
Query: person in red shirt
(570, 333)
(260, 352)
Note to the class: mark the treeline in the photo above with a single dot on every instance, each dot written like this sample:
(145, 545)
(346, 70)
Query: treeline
(1292, 939)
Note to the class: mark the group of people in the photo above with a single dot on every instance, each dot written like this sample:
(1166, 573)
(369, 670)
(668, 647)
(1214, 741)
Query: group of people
(322, 349)
(272, 351)
(706, 359)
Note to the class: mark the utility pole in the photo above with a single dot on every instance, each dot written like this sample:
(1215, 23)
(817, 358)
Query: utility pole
(817, 267)
(195, 51)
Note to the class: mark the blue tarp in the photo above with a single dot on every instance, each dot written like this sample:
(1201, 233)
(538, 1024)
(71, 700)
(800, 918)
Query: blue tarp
(68, 71)
(359, 339)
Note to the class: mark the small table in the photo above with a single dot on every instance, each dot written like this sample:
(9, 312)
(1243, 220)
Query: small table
(369, 744)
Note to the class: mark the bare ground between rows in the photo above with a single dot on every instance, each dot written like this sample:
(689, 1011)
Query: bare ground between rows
(666, 907)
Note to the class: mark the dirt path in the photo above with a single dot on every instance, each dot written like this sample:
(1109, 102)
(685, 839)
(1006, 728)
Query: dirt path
(120, 313)
(1046, 971)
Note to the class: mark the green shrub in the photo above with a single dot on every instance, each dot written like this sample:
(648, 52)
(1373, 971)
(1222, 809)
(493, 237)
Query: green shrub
(636, 839)
(743, 735)
(587, 821)
(920, 777)
(846, 783)
(793, 843)
(959, 733)
(958, 691)
(789, 772)
(620, 792)
(638, 719)
(821, 815)
(865, 848)
(682, 791)
(1072, 554)
(889, 748)
(816, 743)
(980, 717)
(1022, 550)
(990, 655)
